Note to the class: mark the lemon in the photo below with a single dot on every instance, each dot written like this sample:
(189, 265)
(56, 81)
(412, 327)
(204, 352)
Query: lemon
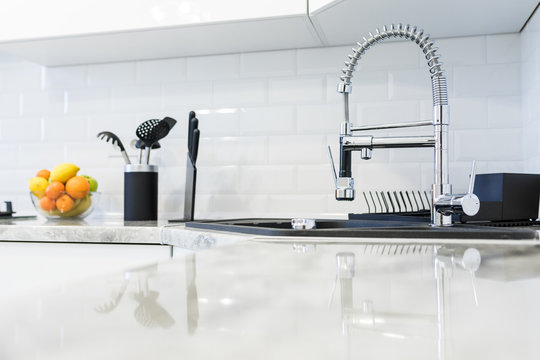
(63, 172)
(38, 185)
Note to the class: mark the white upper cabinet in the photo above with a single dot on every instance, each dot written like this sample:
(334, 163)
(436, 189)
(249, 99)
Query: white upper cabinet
(63, 32)
(346, 21)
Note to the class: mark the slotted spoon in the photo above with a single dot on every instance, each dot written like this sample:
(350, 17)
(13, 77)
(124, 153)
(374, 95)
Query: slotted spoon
(152, 131)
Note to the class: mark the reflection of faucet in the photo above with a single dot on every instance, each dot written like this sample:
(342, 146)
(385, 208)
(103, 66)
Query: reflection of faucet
(444, 203)
(364, 317)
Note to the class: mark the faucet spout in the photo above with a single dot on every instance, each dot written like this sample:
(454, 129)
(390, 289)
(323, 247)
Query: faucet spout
(441, 190)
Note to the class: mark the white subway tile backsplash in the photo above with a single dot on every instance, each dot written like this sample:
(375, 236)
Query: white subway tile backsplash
(488, 144)
(43, 103)
(267, 121)
(234, 93)
(134, 99)
(66, 77)
(424, 155)
(101, 155)
(322, 60)
(64, 128)
(460, 51)
(504, 112)
(468, 113)
(268, 63)
(530, 106)
(290, 206)
(377, 176)
(357, 206)
(385, 55)
(367, 86)
(272, 180)
(160, 71)
(487, 80)
(20, 130)
(252, 150)
(116, 74)
(387, 112)
(123, 125)
(506, 166)
(297, 149)
(221, 122)
(18, 184)
(318, 119)
(38, 156)
(89, 100)
(503, 49)
(10, 152)
(218, 180)
(409, 85)
(315, 179)
(218, 206)
(187, 95)
(10, 104)
(19, 76)
(217, 67)
(296, 90)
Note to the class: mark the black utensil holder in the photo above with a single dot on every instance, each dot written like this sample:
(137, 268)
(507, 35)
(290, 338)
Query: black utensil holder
(140, 192)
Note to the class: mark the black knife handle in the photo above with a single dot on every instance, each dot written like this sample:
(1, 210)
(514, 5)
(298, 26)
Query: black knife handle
(195, 145)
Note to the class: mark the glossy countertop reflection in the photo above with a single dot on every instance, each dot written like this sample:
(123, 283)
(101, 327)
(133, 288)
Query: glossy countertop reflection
(256, 300)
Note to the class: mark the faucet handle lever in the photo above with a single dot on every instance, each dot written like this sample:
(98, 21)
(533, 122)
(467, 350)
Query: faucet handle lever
(472, 177)
(332, 165)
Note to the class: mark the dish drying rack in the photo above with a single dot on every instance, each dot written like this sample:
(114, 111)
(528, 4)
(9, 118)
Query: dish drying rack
(398, 202)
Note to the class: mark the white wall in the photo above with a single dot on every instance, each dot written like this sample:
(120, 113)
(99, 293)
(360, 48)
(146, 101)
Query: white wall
(530, 79)
(265, 119)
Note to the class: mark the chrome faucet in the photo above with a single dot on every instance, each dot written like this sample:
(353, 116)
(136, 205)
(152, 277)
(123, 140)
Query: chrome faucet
(444, 203)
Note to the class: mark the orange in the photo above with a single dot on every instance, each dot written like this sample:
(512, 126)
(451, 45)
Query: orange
(64, 203)
(44, 173)
(54, 190)
(77, 187)
(47, 204)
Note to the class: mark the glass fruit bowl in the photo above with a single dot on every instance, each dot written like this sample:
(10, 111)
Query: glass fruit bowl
(65, 206)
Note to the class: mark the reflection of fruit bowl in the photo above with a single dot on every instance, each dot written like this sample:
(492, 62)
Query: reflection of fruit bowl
(64, 207)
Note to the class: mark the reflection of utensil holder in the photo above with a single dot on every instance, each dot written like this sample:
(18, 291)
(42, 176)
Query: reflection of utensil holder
(140, 192)
(191, 182)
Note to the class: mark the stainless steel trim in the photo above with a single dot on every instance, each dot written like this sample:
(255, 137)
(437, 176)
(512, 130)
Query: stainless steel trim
(392, 126)
(140, 168)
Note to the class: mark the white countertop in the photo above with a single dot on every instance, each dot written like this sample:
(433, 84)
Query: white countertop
(254, 300)
(109, 230)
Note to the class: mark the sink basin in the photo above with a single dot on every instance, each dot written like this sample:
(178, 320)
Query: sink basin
(369, 226)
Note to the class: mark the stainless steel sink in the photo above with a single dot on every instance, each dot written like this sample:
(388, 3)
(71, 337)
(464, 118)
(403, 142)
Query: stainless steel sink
(375, 226)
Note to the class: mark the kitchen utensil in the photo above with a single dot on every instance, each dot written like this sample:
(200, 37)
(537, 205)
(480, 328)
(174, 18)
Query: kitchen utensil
(144, 133)
(154, 130)
(191, 182)
(195, 145)
(191, 169)
(115, 141)
(191, 116)
(140, 145)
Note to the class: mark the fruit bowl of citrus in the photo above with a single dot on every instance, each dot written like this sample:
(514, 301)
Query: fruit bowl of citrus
(62, 194)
